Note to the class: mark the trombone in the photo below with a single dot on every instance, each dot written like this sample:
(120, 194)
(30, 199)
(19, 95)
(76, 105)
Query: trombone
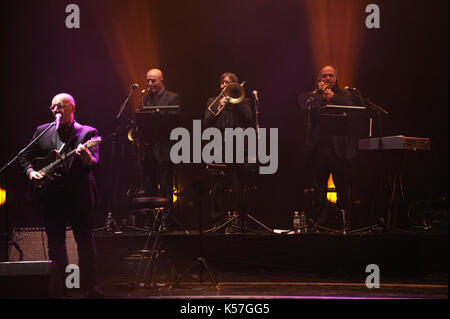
(322, 89)
(234, 93)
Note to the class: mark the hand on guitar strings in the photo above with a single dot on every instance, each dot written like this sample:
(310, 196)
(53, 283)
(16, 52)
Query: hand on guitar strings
(35, 175)
(84, 154)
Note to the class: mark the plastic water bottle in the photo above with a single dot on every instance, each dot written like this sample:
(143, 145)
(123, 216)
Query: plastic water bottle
(228, 227)
(296, 222)
(109, 222)
(303, 222)
(236, 218)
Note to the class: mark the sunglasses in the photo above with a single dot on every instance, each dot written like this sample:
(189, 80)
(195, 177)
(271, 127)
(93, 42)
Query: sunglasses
(59, 106)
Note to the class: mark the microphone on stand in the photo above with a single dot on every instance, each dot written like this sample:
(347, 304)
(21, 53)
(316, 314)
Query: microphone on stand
(255, 94)
(57, 120)
(134, 86)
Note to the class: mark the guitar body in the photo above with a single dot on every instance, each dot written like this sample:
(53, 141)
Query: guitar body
(50, 177)
(51, 165)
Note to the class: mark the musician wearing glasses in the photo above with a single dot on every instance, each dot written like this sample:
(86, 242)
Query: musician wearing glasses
(233, 114)
(67, 191)
(230, 109)
(327, 142)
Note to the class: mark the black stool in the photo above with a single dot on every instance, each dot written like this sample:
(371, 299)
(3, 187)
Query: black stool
(157, 205)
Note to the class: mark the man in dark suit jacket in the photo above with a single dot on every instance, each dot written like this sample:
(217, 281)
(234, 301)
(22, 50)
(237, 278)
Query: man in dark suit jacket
(330, 141)
(74, 195)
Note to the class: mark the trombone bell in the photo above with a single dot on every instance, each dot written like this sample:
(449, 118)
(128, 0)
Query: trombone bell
(132, 134)
(234, 93)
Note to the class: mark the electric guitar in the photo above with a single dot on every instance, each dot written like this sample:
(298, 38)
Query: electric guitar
(49, 165)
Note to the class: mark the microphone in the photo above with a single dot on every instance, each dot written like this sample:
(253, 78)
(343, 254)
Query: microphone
(134, 86)
(349, 88)
(57, 120)
(255, 94)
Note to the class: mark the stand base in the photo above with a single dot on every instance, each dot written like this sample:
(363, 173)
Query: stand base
(201, 262)
(244, 229)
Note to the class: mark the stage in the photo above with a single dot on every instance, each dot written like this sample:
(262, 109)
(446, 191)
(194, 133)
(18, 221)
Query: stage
(264, 265)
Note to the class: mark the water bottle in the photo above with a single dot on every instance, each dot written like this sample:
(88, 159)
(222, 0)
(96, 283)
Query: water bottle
(303, 222)
(235, 220)
(228, 227)
(109, 222)
(296, 222)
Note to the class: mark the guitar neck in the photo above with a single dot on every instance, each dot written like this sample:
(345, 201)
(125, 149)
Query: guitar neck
(49, 168)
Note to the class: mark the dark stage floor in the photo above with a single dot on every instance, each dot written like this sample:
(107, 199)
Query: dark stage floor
(307, 266)
(278, 286)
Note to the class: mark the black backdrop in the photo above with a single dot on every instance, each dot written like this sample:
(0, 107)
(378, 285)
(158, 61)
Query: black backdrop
(403, 67)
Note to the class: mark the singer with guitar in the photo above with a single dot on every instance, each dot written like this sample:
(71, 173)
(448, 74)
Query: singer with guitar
(59, 164)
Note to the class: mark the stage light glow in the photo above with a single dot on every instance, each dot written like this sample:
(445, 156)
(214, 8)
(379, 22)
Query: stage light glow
(175, 194)
(129, 29)
(2, 196)
(336, 29)
(331, 193)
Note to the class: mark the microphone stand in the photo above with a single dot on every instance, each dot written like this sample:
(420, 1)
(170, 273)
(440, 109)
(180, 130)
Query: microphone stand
(379, 111)
(122, 107)
(6, 235)
(308, 120)
(114, 161)
(256, 115)
(258, 178)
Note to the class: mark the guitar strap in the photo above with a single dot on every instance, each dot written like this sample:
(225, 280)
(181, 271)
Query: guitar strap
(63, 149)
(79, 140)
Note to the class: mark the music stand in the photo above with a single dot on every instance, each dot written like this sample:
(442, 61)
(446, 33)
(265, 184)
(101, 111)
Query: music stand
(154, 125)
(344, 112)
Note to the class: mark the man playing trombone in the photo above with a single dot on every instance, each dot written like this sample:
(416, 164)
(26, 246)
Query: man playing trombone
(230, 109)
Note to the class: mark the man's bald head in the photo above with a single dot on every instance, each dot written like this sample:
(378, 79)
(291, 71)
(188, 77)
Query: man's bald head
(64, 97)
(157, 73)
(63, 104)
(155, 81)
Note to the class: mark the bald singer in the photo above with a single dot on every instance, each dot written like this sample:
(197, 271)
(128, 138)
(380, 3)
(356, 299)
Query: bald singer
(71, 198)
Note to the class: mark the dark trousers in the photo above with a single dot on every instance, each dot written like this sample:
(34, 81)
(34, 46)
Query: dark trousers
(79, 215)
(324, 162)
(226, 192)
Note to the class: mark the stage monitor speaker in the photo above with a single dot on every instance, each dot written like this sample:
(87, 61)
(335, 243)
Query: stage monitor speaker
(32, 241)
(30, 280)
